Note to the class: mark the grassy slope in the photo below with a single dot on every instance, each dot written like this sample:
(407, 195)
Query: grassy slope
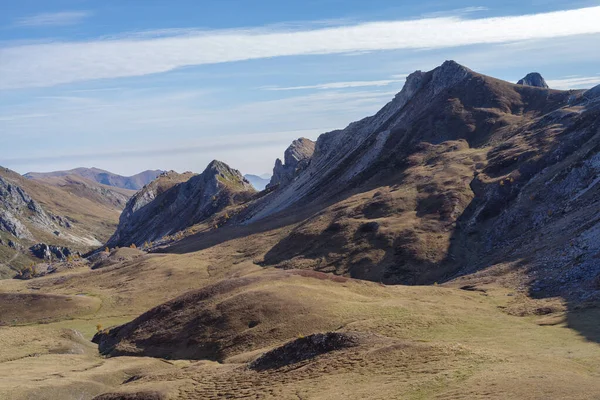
(425, 342)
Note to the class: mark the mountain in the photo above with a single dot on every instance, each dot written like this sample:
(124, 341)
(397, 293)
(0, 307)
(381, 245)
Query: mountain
(63, 211)
(174, 202)
(258, 182)
(446, 247)
(534, 79)
(135, 182)
(442, 180)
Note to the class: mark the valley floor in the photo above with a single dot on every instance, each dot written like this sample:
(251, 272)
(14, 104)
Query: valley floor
(415, 342)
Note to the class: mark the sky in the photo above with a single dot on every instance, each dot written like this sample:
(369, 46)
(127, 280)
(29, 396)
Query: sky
(173, 84)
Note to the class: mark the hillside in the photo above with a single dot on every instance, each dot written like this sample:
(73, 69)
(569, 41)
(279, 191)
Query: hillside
(135, 182)
(486, 191)
(217, 304)
(175, 202)
(64, 211)
(447, 174)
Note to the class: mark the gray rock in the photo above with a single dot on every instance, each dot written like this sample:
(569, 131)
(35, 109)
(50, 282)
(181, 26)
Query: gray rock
(297, 158)
(48, 252)
(534, 79)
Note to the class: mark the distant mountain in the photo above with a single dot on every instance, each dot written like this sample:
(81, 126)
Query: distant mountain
(135, 182)
(259, 182)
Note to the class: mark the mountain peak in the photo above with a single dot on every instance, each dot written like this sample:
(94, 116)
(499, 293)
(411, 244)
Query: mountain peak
(534, 79)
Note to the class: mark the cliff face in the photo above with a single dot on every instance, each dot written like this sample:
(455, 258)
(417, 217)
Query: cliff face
(296, 159)
(17, 209)
(174, 202)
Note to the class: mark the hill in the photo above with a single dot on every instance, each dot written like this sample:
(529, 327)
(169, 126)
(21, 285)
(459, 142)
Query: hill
(62, 211)
(135, 182)
(174, 202)
(485, 190)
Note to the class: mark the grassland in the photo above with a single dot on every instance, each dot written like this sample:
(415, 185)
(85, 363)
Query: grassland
(420, 342)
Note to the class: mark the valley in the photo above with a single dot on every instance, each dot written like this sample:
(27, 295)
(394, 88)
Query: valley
(445, 247)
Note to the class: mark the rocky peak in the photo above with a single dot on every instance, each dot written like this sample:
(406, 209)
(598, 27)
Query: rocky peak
(297, 157)
(174, 202)
(534, 79)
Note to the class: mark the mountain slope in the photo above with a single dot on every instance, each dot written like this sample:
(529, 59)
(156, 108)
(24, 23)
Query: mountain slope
(423, 188)
(135, 182)
(67, 211)
(174, 202)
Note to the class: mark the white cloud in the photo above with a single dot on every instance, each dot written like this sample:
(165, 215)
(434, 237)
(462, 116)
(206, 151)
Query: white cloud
(57, 63)
(337, 85)
(53, 19)
(572, 82)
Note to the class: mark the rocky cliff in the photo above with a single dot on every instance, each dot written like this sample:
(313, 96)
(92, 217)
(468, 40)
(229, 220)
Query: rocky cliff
(296, 159)
(174, 202)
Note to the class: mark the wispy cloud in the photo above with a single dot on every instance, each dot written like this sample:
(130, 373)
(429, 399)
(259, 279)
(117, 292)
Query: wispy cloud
(571, 82)
(336, 85)
(53, 19)
(57, 63)
(458, 11)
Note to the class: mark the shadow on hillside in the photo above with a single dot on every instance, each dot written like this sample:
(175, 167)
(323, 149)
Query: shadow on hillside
(586, 321)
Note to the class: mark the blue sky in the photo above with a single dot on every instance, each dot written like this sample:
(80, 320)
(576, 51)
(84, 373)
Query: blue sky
(134, 85)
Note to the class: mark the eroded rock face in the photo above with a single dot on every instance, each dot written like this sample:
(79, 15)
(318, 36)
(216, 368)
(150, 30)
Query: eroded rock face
(296, 159)
(16, 206)
(174, 202)
(534, 79)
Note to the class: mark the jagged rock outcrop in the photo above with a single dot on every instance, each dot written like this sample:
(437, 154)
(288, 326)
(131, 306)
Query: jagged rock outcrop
(174, 202)
(534, 79)
(16, 207)
(296, 158)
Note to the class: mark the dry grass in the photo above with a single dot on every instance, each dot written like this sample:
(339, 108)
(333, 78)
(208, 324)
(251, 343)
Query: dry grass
(425, 342)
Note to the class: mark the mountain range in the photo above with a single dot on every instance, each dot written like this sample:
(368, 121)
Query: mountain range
(445, 247)
(135, 182)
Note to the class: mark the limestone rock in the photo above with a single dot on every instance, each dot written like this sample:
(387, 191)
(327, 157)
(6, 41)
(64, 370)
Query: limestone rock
(534, 79)
(296, 158)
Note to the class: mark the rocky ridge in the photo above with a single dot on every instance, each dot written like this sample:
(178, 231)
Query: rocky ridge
(174, 202)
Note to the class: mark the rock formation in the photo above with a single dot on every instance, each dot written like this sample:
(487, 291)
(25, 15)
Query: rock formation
(296, 159)
(534, 79)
